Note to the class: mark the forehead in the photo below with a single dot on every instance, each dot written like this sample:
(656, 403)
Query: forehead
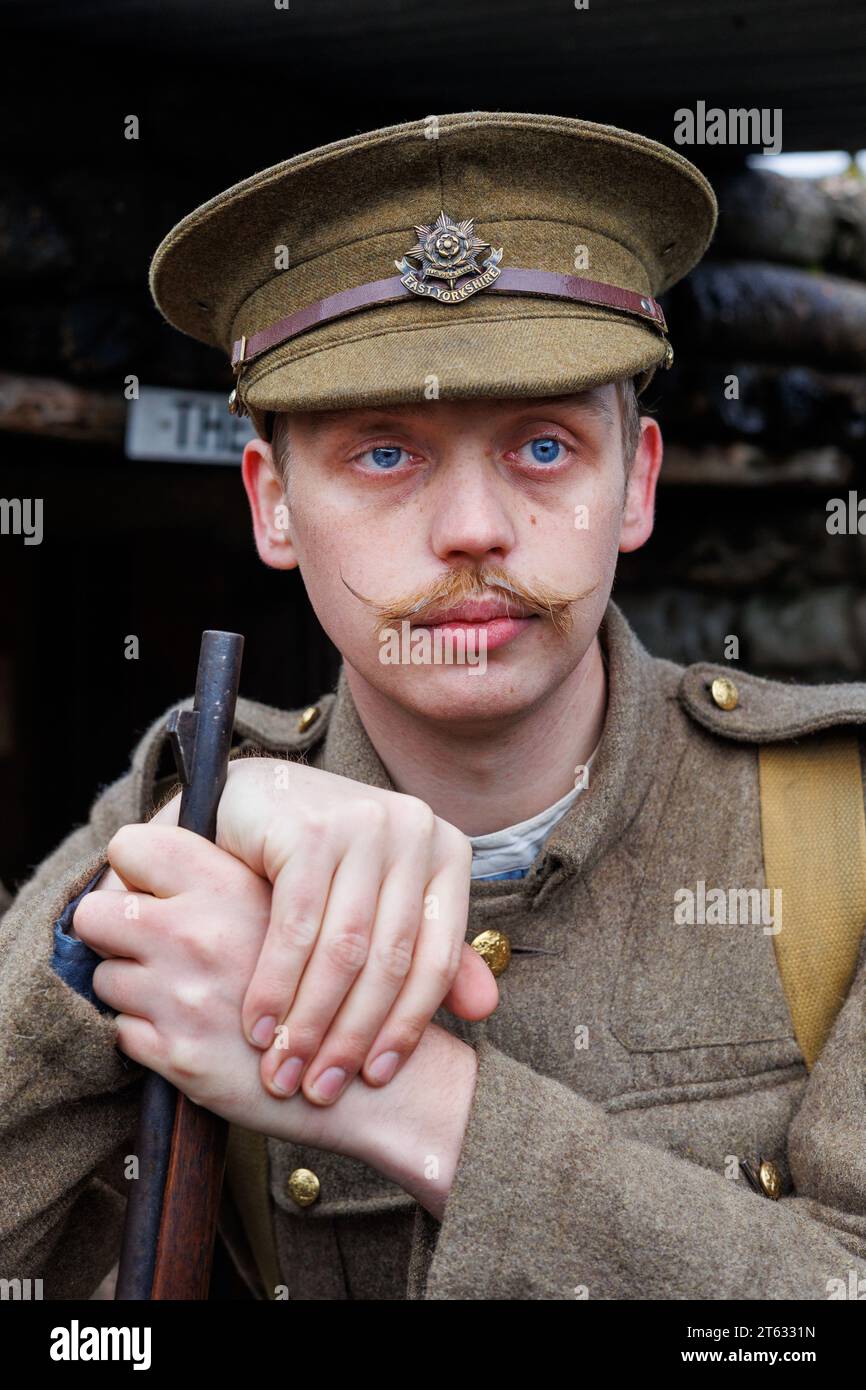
(599, 402)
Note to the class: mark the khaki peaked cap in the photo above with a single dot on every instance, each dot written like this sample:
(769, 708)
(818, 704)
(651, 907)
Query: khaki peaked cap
(538, 187)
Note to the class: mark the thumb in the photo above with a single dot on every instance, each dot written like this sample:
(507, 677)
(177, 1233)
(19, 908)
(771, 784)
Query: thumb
(474, 993)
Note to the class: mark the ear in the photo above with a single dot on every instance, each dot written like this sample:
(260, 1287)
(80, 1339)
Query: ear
(640, 493)
(269, 507)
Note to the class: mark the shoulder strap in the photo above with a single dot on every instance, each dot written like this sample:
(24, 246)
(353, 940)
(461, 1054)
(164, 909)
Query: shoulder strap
(814, 839)
(247, 1179)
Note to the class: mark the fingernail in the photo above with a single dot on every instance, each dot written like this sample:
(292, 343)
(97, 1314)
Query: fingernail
(287, 1075)
(384, 1066)
(263, 1033)
(330, 1083)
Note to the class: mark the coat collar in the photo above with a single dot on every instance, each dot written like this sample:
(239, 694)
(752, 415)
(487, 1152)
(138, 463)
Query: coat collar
(628, 755)
(622, 771)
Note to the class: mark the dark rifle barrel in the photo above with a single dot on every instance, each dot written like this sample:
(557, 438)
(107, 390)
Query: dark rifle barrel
(171, 1212)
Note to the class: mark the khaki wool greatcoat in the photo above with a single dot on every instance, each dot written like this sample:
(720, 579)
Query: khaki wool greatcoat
(630, 1063)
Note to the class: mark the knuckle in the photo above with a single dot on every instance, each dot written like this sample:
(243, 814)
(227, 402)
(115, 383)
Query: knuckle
(406, 1034)
(122, 838)
(125, 1036)
(198, 943)
(348, 948)
(348, 1048)
(184, 1058)
(417, 816)
(313, 823)
(230, 875)
(128, 1036)
(105, 982)
(394, 958)
(298, 929)
(455, 954)
(367, 815)
(160, 918)
(442, 970)
(300, 1039)
(459, 846)
(193, 998)
(266, 996)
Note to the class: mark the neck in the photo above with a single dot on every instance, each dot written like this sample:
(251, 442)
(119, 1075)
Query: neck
(484, 779)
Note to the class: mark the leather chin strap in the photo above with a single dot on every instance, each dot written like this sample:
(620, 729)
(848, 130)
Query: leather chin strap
(544, 284)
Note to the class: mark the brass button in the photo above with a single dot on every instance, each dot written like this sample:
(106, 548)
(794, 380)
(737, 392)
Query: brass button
(770, 1179)
(303, 1187)
(309, 716)
(236, 405)
(494, 947)
(725, 693)
(763, 1176)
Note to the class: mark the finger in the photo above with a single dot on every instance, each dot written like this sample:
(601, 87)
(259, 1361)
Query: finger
(338, 957)
(437, 958)
(166, 860)
(475, 993)
(125, 986)
(140, 1041)
(347, 1041)
(111, 880)
(168, 813)
(111, 923)
(299, 896)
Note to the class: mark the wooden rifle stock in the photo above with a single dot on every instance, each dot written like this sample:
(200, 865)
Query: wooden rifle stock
(171, 1213)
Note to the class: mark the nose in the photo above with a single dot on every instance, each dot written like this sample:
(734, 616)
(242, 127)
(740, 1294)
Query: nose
(471, 519)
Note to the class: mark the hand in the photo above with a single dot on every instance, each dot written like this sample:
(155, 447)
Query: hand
(367, 925)
(170, 908)
(176, 970)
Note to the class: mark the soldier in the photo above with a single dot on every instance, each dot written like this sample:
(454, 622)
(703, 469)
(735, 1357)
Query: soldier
(484, 968)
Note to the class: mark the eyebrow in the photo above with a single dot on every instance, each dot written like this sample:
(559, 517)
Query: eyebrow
(590, 400)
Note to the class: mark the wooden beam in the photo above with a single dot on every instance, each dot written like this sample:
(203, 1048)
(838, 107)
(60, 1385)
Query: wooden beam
(58, 410)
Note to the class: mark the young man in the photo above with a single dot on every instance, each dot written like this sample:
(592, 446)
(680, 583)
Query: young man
(443, 969)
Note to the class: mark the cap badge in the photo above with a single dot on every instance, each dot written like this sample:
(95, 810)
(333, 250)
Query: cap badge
(449, 251)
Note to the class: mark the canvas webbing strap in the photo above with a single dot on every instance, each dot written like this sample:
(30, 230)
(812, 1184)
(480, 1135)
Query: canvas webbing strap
(814, 839)
(247, 1177)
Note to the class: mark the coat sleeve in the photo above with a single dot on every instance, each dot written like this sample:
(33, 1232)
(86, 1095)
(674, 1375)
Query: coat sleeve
(68, 1097)
(551, 1200)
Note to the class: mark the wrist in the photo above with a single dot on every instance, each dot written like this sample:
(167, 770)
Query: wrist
(418, 1142)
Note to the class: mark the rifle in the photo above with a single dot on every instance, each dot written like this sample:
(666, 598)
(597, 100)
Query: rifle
(171, 1213)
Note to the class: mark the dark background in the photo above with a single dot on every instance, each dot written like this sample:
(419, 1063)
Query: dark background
(223, 90)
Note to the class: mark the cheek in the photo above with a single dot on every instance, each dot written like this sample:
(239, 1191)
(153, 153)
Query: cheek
(329, 544)
(582, 528)
(598, 514)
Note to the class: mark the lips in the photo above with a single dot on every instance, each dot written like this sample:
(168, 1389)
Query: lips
(476, 611)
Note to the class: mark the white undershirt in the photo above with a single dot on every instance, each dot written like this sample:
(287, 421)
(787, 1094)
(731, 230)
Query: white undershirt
(516, 846)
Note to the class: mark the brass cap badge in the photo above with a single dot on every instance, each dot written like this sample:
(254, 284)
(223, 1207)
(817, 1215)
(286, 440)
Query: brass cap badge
(449, 251)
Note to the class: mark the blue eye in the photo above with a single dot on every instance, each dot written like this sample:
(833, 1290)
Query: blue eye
(385, 456)
(545, 449)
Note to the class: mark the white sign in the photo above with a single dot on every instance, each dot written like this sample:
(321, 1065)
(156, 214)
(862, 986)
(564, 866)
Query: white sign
(185, 427)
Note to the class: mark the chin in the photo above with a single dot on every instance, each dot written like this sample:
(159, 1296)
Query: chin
(456, 695)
